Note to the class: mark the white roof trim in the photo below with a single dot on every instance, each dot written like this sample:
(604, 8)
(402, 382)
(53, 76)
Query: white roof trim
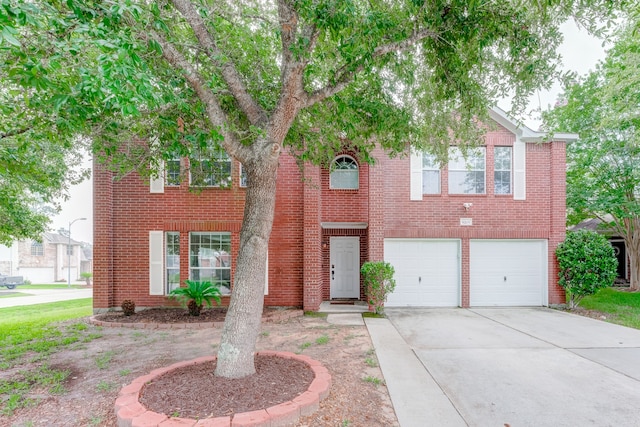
(525, 133)
(343, 225)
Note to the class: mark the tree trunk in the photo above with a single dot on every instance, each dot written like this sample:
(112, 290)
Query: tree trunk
(242, 324)
(633, 252)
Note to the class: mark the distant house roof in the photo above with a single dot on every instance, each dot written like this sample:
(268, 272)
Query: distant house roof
(59, 239)
(595, 224)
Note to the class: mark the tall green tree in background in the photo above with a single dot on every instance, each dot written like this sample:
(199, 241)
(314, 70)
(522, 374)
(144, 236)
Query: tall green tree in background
(603, 178)
(39, 154)
(257, 77)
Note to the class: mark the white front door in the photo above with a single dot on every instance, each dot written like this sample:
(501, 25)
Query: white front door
(344, 271)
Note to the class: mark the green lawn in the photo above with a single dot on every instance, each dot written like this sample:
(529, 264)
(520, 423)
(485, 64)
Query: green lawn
(622, 307)
(30, 334)
(29, 328)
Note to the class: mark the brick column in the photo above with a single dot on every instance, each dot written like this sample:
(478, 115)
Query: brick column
(312, 253)
(376, 207)
(557, 226)
(103, 297)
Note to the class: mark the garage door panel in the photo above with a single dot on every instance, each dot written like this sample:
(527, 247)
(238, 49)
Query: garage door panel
(507, 272)
(427, 272)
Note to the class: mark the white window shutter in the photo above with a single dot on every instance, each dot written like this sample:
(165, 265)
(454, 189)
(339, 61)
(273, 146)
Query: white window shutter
(416, 175)
(156, 183)
(519, 170)
(156, 263)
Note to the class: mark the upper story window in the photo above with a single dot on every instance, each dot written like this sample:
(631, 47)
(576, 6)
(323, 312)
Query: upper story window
(37, 249)
(344, 173)
(467, 175)
(502, 170)
(211, 169)
(69, 250)
(430, 174)
(172, 172)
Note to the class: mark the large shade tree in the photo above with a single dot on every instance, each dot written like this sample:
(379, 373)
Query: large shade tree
(257, 77)
(603, 178)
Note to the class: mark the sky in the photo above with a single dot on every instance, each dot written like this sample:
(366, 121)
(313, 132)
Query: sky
(580, 53)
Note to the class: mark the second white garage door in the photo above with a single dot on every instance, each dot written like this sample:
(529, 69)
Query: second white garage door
(508, 272)
(427, 272)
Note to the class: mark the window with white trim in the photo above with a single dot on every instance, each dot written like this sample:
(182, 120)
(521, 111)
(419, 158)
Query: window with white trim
(430, 174)
(172, 172)
(502, 166)
(212, 169)
(172, 260)
(467, 175)
(345, 174)
(37, 249)
(210, 258)
(69, 249)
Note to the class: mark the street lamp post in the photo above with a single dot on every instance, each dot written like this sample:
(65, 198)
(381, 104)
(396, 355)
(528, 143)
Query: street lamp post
(69, 250)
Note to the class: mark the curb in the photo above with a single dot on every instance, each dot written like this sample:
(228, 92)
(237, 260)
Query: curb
(131, 413)
(270, 318)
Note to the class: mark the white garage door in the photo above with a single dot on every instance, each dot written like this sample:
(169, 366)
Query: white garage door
(427, 272)
(508, 272)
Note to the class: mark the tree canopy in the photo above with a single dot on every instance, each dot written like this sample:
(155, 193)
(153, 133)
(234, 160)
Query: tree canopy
(153, 80)
(603, 177)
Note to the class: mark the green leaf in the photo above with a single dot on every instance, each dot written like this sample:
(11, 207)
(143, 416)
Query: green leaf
(7, 35)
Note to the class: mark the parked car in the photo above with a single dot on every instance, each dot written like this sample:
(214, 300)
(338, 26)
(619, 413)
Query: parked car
(11, 281)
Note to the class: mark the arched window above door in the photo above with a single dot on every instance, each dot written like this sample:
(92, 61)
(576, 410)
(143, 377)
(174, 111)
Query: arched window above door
(345, 174)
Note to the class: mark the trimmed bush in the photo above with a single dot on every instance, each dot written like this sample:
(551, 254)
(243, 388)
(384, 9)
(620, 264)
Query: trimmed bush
(378, 283)
(587, 263)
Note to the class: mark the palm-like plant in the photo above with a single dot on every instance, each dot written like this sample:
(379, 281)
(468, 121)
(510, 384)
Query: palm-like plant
(196, 294)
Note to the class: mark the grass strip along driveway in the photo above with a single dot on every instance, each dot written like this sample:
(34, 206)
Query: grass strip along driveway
(618, 306)
(33, 333)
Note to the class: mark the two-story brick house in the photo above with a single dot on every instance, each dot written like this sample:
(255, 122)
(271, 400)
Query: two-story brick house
(474, 232)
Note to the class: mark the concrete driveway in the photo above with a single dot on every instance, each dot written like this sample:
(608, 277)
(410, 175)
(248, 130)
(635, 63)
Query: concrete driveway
(508, 367)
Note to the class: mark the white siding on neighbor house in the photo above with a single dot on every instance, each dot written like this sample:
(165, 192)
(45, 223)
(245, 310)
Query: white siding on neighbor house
(508, 273)
(37, 275)
(427, 272)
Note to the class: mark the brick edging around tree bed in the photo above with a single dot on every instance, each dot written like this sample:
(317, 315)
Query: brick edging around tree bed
(130, 412)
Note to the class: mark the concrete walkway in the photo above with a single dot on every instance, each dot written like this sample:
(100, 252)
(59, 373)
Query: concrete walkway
(507, 366)
(41, 296)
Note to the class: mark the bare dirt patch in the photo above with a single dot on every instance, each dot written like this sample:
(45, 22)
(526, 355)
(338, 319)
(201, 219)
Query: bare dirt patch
(100, 367)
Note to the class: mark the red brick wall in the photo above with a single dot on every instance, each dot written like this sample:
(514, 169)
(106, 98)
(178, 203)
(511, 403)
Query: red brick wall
(125, 211)
(540, 216)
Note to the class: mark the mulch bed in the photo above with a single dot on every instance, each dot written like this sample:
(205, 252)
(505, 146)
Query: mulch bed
(176, 315)
(189, 392)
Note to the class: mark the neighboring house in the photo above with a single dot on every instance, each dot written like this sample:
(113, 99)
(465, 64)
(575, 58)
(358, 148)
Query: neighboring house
(44, 261)
(619, 247)
(476, 233)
